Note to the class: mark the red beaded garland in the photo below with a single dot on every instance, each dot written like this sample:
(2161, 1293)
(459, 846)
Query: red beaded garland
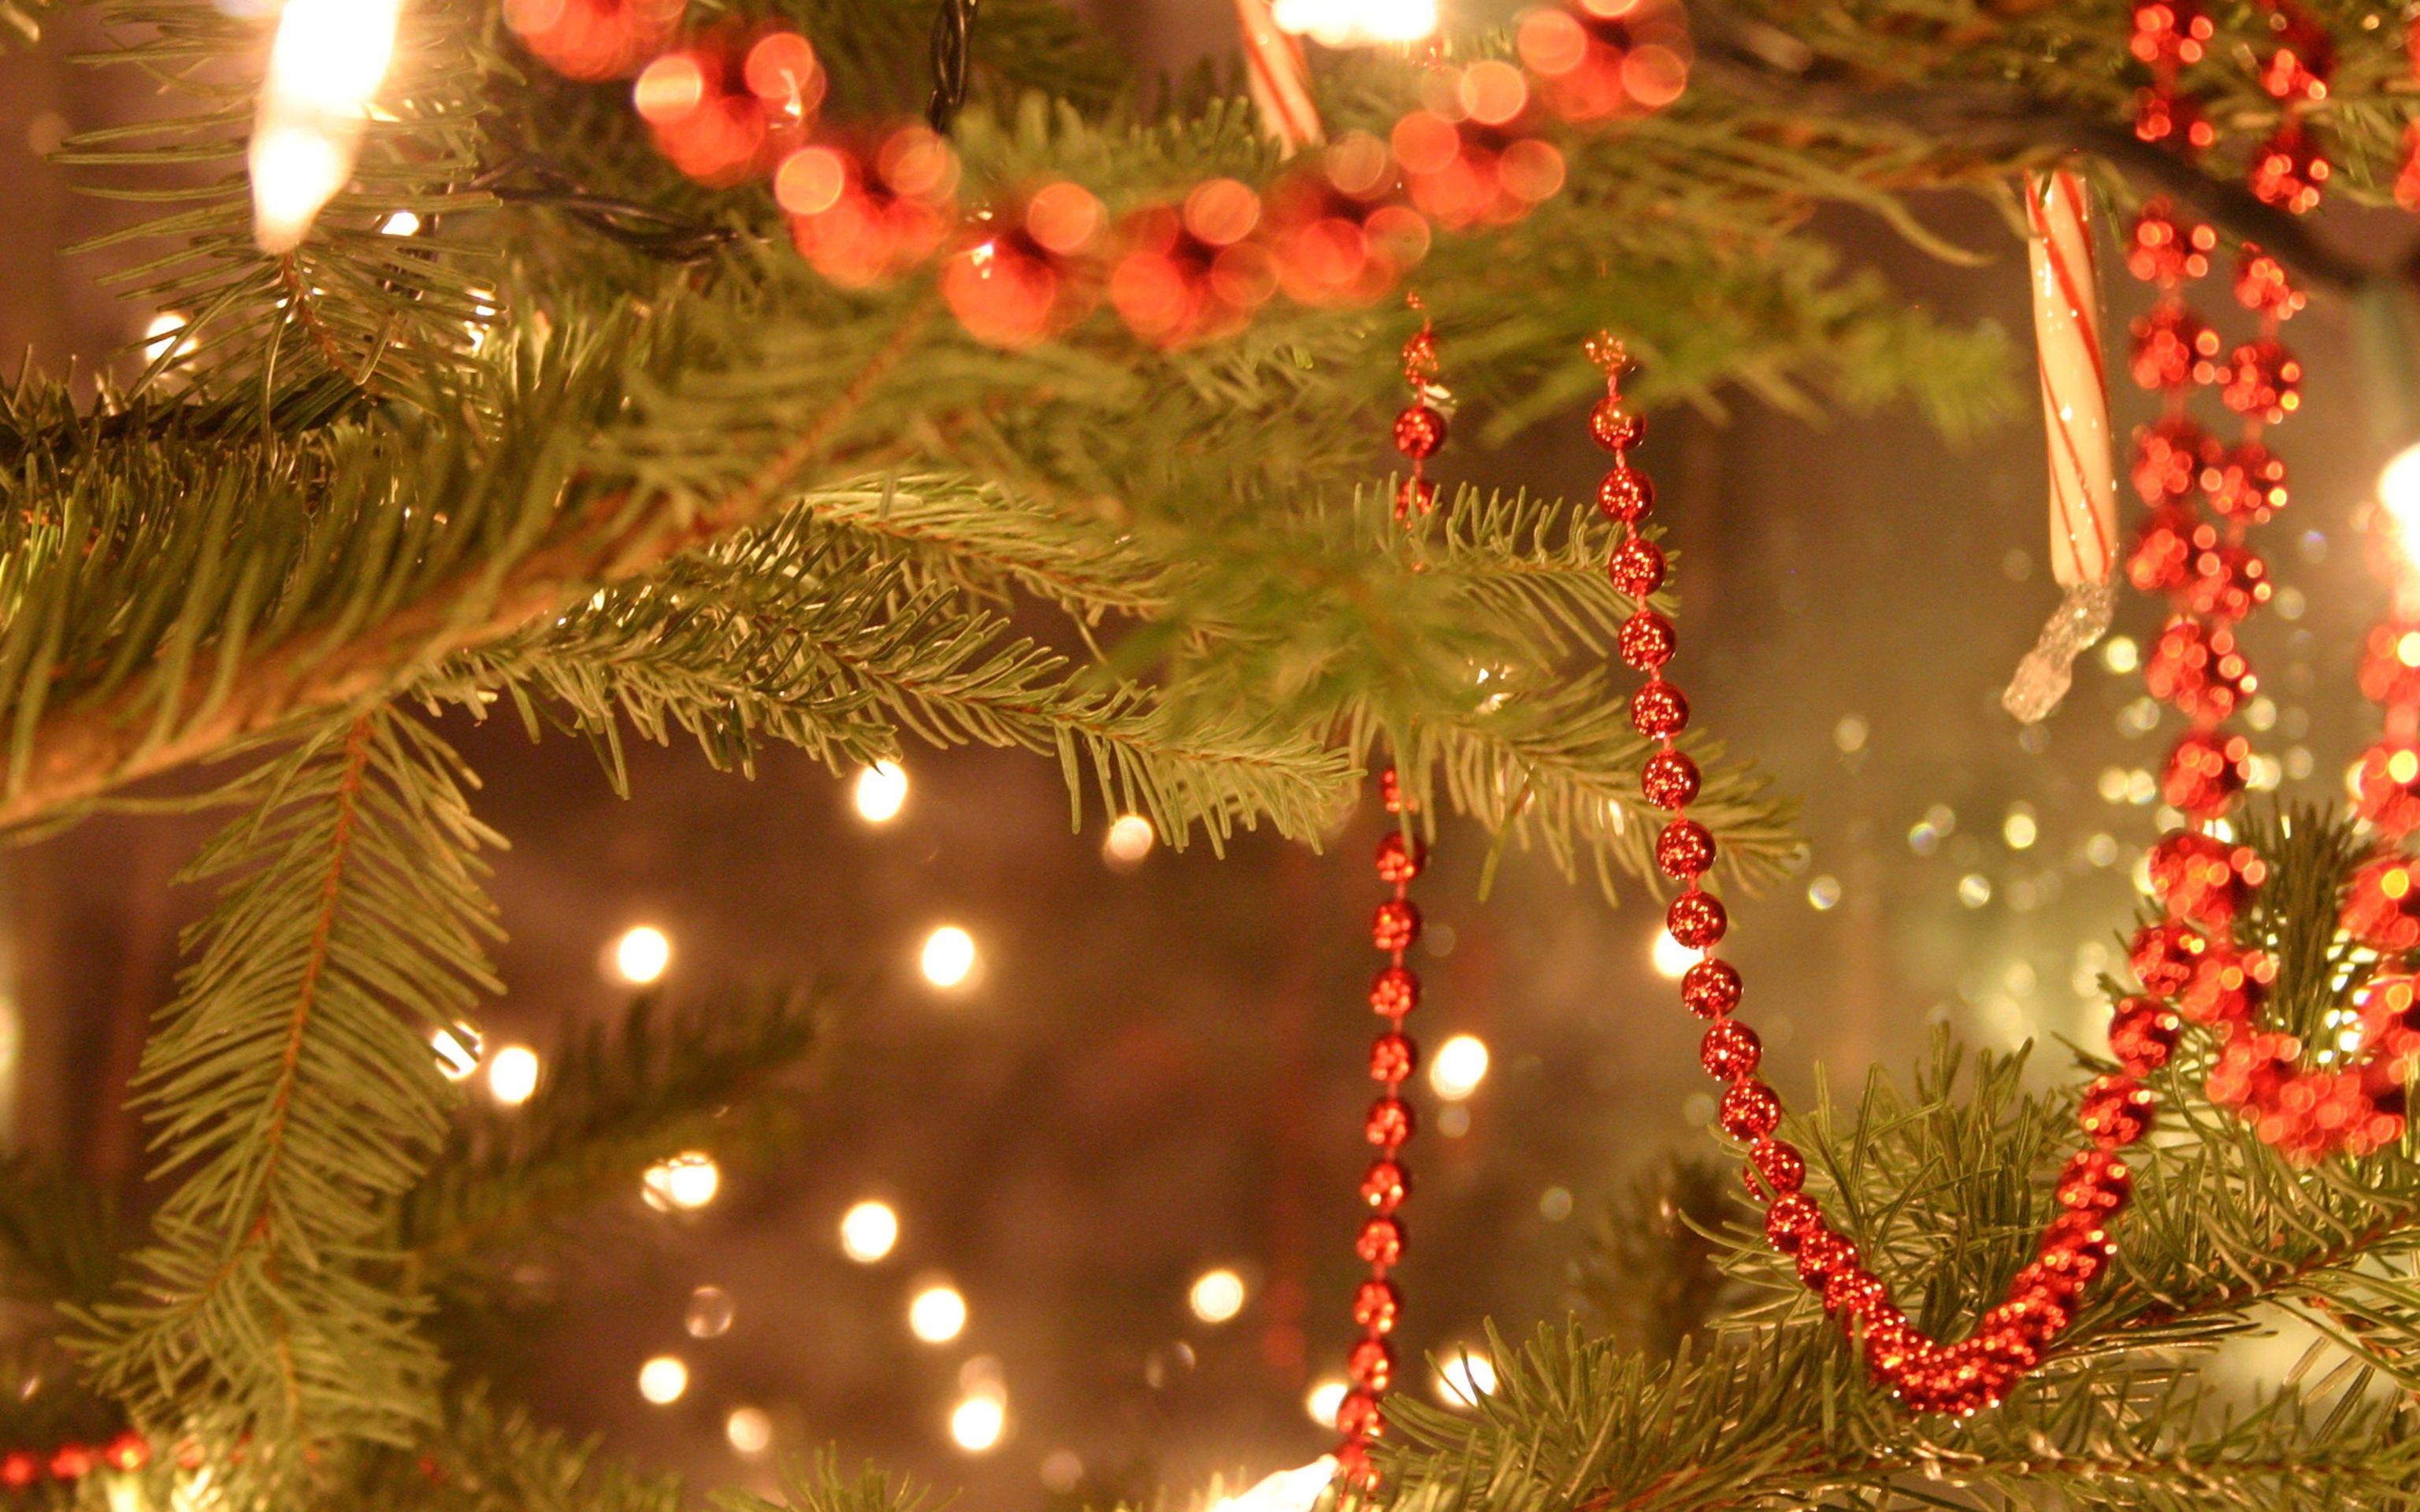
(1645, 640)
(1685, 850)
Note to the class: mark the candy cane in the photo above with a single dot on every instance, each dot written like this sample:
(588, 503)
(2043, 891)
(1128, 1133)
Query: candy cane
(1279, 78)
(2075, 414)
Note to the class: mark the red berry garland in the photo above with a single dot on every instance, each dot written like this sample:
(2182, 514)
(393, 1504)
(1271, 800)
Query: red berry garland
(23, 1468)
(1370, 1365)
(1929, 1376)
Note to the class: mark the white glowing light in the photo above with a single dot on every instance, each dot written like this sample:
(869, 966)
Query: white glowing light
(512, 1075)
(948, 958)
(328, 59)
(881, 792)
(750, 1430)
(2398, 490)
(1217, 1295)
(687, 1181)
(1465, 1376)
(1288, 1490)
(457, 1055)
(2019, 829)
(640, 954)
(1325, 1397)
(1671, 959)
(1345, 22)
(1460, 1066)
(977, 1423)
(868, 1232)
(401, 223)
(164, 336)
(1128, 842)
(936, 1314)
(663, 1380)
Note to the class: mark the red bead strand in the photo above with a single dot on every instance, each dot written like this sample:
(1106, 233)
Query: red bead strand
(2009, 1340)
(1377, 1304)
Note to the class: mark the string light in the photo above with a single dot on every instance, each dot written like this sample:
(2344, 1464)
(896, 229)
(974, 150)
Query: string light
(663, 1380)
(687, 1181)
(936, 1314)
(948, 958)
(1128, 842)
(641, 954)
(710, 1313)
(512, 1075)
(881, 792)
(869, 1231)
(1217, 1295)
(1325, 1397)
(979, 1421)
(1670, 958)
(401, 223)
(1460, 1066)
(328, 59)
(750, 1430)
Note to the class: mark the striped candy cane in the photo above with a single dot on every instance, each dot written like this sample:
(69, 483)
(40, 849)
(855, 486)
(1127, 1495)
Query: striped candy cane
(2075, 414)
(1279, 78)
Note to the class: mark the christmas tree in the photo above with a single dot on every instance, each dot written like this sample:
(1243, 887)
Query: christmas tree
(852, 379)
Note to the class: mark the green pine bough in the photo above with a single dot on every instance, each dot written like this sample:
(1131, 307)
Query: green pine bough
(510, 465)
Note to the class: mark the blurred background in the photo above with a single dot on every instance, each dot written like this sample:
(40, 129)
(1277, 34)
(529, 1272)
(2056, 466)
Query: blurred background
(1074, 1194)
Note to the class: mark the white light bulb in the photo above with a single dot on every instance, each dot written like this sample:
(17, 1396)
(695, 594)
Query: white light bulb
(328, 59)
(663, 1380)
(881, 792)
(1128, 842)
(1671, 957)
(936, 1314)
(1217, 1295)
(1325, 1399)
(750, 1430)
(687, 1181)
(948, 958)
(457, 1053)
(512, 1075)
(869, 1231)
(641, 954)
(2398, 490)
(1462, 1377)
(977, 1424)
(1460, 1066)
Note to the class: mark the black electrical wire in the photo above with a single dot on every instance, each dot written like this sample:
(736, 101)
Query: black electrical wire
(953, 28)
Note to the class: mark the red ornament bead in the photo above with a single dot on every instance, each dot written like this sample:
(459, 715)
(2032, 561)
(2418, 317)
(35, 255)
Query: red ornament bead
(1385, 1185)
(2165, 248)
(2114, 1111)
(19, 1469)
(2381, 906)
(1669, 779)
(1399, 860)
(2169, 34)
(2202, 879)
(2198, 670)
(1395, 924)
(1419, 432)
(1625, 494)
(2289, 171)
(1855, 1294)
(1414, 496)
(2263, 286)
(2174, 348)
(2166, 118)
(1711, 988)
(74, 1462)
(1646, 641)
(1783, 1169)
(2142, 1035)
(1658, 711)
(2164, 956)
(1696, 919)
(2248, 483)
(2229, 986)
(1791, 1218)
(1616, 427)
(1637, 567)
(1729, 1051)
(2162, 559)
(2226, 582)
(1372, 1364)
(2207, 771)
(1358, 1416)
(1394, 992)
(1376, 1306)
(1354, 1466)
(1390, 790)
(2264, 380)
(1685, 850)
(128, 1451)
(1381, 1240)
(2033, 1313)
(2387, 787)
(1391, 1057)
(2095, 1182)
(1822, 1251)
(1749, 1110)
(2390, 664)
(1389, 1122)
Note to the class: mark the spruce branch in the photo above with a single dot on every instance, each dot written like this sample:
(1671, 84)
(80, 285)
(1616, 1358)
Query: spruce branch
(294, 1094)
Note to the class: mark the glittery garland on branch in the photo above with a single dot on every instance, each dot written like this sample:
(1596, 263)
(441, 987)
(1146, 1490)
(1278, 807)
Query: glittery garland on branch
(1977, 1371)
(1377, 1304)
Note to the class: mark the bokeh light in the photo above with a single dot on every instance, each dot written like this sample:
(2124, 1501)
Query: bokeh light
(936, 1313)
(869, 1231)
(1670, 958)
(1325, 1397)
(1464, 1376)
(948, 958)
(750, 1430)
(686, 1182)
(979, 1422)
(881, 792)
(1460, 1066)
(1128, 842)
(640, 954)
(663, 1380)
(1217, 1295)
(512, 1075)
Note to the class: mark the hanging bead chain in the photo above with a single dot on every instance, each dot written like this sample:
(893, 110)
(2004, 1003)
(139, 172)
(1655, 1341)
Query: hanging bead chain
(1963, 1376)
(1377, 1304)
